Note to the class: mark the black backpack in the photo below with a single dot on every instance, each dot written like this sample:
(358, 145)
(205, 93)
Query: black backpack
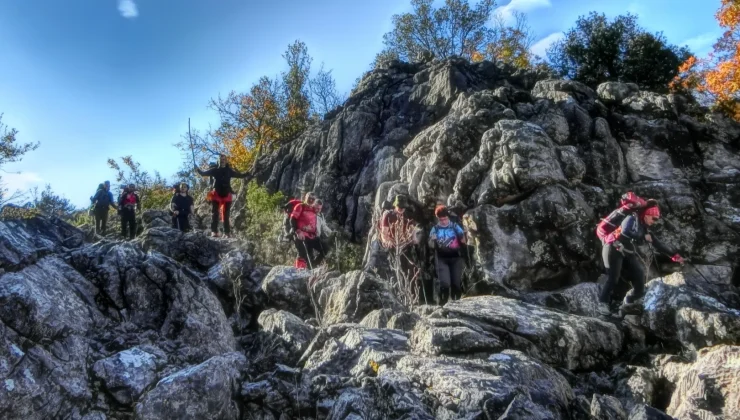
(102, 199)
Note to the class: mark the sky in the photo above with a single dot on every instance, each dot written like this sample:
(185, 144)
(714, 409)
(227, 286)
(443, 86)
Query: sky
(96, 79)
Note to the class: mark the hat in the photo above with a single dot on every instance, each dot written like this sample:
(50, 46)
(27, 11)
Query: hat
(652, 211)
(400, 201)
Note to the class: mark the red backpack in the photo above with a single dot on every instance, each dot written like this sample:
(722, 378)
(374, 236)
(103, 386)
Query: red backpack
(628, 204)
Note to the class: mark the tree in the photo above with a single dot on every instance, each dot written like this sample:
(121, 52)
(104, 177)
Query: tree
(510, 44)
(324, 95)
(251, 123)
(11, 151)
(455, 29)
(49, 203)
(154, 191)
(716, 80)
(296, 89)
(597, 50)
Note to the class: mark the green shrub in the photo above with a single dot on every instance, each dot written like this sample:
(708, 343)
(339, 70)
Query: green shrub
(263, 225)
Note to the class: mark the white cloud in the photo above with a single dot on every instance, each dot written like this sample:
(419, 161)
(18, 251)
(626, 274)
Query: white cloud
(128, 9)
(540, 47)
(20, 181)
(523, 6)
(701, 44)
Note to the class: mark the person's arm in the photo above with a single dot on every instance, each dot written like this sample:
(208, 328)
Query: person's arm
(294, 215)
(627, 227)
(432, 237)
(208, 172)
(236, 174)
(665, 250)
(460, 233)
(112, 201)
(192, 204)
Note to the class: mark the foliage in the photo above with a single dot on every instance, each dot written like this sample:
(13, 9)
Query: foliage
(597, 50)
(324, 95)
(51, 204)
(716, 79)
(154, 191)
(397, 237)
(264, 221)
(273, 112)
(11, 151)
(455, 29)
(510, 44)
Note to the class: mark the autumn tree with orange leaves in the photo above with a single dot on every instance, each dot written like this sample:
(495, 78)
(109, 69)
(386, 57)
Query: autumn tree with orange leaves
(273, 112)
(716, 79)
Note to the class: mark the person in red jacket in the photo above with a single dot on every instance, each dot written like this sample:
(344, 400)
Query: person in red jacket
(128, 203)
(303, 223)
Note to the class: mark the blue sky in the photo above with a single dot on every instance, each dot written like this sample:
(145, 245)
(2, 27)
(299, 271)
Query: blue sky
(93, 79)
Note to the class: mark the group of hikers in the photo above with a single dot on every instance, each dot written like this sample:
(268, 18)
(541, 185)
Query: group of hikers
(621, 232)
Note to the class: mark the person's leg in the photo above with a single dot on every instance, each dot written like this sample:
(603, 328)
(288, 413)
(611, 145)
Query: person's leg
(300, 246)
(315, 244)
(214, 217)
(613, 264)
(104, 213)
(184, 223)
(456, 271)
(227, 222)
(124, 224)
(443, 274)
(635, 273)
(132, 224)
(98, 220)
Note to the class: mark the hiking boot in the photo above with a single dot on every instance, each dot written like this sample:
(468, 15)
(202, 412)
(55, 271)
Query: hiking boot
(603, 309)
(630, 309)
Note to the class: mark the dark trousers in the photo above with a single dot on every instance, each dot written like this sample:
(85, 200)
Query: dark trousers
(128, 223)
(449, 273)
(216, 216)
(627, 265)
(305, 250)
(182, 222)
(101, 219)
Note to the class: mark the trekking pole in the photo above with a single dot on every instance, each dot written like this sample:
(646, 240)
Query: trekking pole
(308, 256)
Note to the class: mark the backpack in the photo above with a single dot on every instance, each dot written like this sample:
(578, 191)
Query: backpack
(628, 204)
(102, 199)
(287, 210)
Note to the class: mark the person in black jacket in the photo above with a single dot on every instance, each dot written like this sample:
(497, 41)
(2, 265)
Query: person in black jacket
(102, 200)
(221, 195)
(182, 205)
(128, 203)
(622, 256)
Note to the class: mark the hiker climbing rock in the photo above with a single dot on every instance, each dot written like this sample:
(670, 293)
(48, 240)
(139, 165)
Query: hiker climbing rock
(221, 196)
(446, 238)
(400, 235)
(182, 206)
(303, 222)
(101, 201)
(621, 255)
(128, 203)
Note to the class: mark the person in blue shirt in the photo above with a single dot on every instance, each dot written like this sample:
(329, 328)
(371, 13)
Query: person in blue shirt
(102, 199)
(446, 238)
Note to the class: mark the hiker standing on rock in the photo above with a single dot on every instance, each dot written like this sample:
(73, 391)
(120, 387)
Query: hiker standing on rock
(102, 200)
(221, 196)
(621, 255)
(446, 238)
(182, 206)
(303, 223)
(128, 203)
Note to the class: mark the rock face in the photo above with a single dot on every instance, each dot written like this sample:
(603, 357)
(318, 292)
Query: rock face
(534, 162)
(180, 326)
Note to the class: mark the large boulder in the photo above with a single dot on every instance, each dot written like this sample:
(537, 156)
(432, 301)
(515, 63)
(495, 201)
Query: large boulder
(24, 241)
(291, 328)
(490, 323)
(207, 390)
(128, 373)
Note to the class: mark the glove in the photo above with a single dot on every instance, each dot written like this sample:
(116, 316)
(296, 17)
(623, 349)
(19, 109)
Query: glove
(677, 258)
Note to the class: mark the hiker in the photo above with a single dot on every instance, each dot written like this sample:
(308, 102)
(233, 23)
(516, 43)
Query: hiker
(175, 191)
(221, 195)
(303, 227)
(400, 235)
(446, 238)
(102, 199)
(286, 234)
(182, 206)
(128, 203)
(621, 255)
